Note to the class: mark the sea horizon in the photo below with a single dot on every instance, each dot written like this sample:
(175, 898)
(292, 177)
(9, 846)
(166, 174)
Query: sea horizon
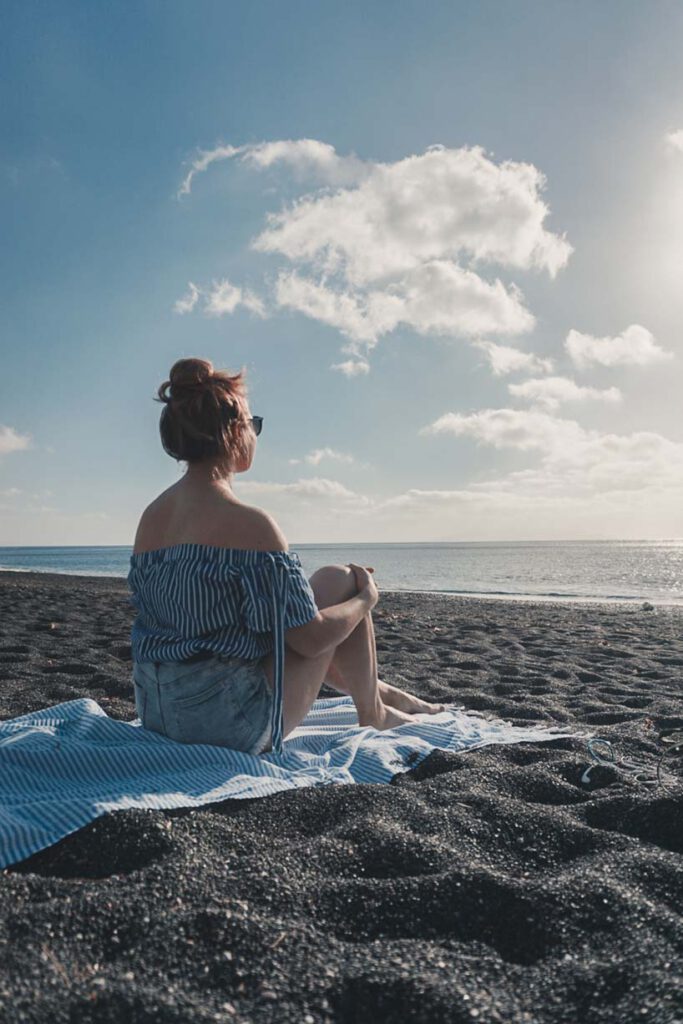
(572, 570)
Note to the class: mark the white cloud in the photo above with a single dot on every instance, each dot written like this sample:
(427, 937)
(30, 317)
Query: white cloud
(338, 309)
(573, 460)
(635, 346)
(220, 298)
(11, 441)
(438, 205)
(551, 392)
(675, 140)
(318, 454)
(204, 160)
(224, 297)
(314, 489)
(352, 367)
(538, 514)
(504, 359)
(508, 428)
(436, 298)
(384, 244)
(304, 156)
(585, 485)
(11, 492)
(187, 303)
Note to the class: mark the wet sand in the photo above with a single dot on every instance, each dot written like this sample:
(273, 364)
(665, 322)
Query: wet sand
(489, 886)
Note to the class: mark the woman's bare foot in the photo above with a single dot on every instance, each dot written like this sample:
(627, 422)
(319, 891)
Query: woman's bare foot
(383, 717)
(403, 701)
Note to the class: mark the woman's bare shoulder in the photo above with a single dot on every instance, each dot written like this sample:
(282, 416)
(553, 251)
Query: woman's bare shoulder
(262, 530)
(229, 524)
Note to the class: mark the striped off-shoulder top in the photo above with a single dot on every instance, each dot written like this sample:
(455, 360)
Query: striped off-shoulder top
(199, 597)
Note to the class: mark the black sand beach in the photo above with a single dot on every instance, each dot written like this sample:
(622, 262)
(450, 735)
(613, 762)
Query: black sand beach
(490, 886)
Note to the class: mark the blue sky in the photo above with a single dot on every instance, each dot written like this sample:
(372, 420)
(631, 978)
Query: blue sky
(415, 191)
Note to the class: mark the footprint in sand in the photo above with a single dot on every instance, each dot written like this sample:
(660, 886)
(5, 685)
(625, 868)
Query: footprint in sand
(71, 668)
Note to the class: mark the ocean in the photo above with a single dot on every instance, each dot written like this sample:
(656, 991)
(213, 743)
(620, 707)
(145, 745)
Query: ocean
(549, 570)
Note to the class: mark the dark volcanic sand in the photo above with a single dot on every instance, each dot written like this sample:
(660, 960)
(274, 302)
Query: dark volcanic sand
(487, 886)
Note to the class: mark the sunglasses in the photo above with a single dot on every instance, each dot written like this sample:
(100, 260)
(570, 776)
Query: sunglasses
(257, 423)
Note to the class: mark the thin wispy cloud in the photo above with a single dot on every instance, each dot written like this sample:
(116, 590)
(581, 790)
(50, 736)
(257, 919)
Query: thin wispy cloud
(523, 429)
(573, 458)
(635, 346)
(219, 299)
(188, 301)
(552, 392)
(352, 367)
(503, 359)
(572, 455)
(315, 457)
(316, 489)
(224, 297)
(306, 158)
(12, 441)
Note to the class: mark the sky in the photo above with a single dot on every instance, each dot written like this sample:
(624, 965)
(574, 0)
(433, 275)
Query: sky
(443, 239)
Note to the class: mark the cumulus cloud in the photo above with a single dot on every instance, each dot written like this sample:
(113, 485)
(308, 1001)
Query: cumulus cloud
(551, 392)
(635, 346)
(383, 244)
(12, 441)
(505, 359)
(188, 301)
(318, 454)
(675, 140)
(437, 205)
(436, 298)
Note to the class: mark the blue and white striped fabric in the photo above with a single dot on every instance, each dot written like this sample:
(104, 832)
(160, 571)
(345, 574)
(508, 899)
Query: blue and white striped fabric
(199, 597)
(63, 766)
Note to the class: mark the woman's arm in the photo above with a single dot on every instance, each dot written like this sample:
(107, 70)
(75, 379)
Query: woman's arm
(330, 627)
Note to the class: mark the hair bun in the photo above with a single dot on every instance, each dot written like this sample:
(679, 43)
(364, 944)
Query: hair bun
(203, 414)
(189, 374)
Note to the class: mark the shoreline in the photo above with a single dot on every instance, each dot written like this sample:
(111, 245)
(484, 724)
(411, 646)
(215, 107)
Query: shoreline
(617, 600)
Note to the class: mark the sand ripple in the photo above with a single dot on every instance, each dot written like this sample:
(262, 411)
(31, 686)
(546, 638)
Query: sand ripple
(490, 886)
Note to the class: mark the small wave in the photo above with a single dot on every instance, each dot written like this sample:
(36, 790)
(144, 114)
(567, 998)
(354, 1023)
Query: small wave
(550, 596)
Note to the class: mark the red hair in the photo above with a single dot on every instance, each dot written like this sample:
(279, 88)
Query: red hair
(204, 414)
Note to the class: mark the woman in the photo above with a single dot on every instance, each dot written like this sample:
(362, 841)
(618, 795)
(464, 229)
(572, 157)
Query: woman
(231, 642)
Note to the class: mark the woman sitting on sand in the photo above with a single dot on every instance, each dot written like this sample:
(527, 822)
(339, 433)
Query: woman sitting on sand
(231, 642)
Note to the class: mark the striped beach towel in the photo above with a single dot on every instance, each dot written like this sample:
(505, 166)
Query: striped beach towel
(63, 766)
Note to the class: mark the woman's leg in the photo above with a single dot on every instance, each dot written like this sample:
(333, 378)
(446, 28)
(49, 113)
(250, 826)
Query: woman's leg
(303, 677)
(356, 657)
(355, 665)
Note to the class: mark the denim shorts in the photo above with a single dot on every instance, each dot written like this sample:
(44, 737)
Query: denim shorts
(220, 700)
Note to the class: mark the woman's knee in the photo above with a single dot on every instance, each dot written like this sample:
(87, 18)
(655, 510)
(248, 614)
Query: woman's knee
(333, 584)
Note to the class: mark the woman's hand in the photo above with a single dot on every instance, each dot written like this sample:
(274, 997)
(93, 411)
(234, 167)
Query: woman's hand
(365, 582)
